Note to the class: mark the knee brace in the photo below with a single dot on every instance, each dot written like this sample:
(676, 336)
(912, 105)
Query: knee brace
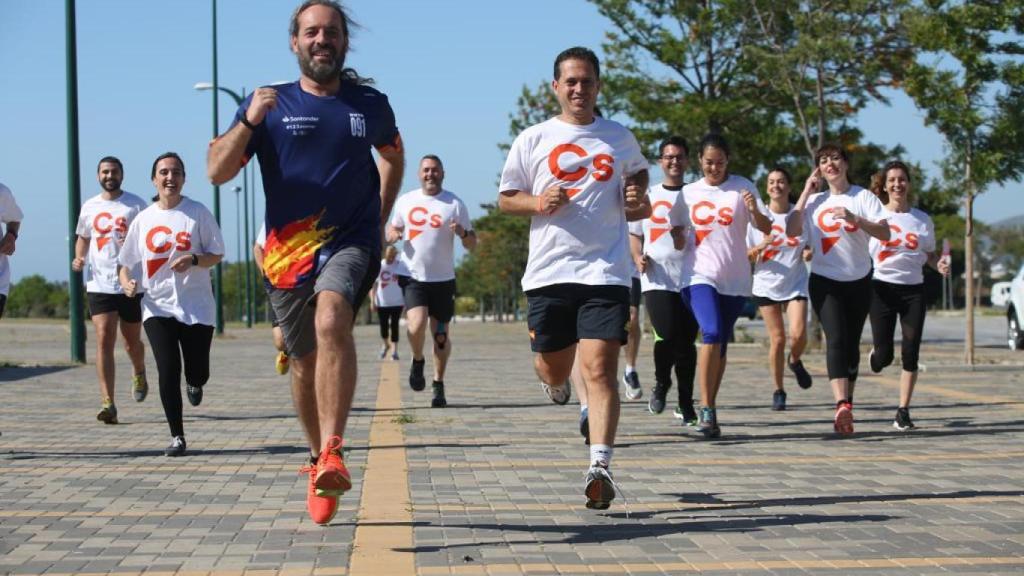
(441, 335)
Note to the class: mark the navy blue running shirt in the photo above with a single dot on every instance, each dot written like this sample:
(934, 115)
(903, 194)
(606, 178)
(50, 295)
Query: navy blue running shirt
(319, 176)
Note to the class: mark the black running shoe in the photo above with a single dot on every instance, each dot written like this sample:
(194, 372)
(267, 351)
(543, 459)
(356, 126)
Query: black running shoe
(439, 400)
(195, 394)
(656, 405)
(779, 400)
(108, 412)
(631, 381)
(803, 378)
(177, 447)
(585, 426)
(416, 380)
(685, 412)
(903, 421)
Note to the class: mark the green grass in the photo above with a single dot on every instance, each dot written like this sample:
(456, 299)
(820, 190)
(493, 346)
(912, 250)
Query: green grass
(404, 418)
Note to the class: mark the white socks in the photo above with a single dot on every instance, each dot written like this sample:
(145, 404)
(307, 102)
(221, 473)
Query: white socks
(630, 369)
(601, 454)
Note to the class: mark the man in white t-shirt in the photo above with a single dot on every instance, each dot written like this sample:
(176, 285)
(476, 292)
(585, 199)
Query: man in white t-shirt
(10, 225)
(578, 177)
(102, 225)
(429, 219)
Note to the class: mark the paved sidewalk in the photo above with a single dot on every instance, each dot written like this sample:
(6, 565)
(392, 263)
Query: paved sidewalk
(493, 483)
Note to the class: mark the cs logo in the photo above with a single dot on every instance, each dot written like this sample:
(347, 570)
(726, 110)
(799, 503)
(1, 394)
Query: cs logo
(159, 241)
(104, 223)
(601, 166)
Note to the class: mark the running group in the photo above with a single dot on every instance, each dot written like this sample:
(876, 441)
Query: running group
(600, 236)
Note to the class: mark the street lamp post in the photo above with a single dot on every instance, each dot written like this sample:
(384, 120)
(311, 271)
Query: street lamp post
(238, 250)
(218, 278)
(238, 98)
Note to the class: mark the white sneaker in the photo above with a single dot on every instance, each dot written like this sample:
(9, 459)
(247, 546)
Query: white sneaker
(558, 394)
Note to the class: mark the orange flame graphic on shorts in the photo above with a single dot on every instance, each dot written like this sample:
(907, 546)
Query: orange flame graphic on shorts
(291, 251)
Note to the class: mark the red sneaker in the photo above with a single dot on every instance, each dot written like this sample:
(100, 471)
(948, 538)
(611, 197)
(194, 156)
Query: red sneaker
(332, 478)
(844, 419)
(321, 508)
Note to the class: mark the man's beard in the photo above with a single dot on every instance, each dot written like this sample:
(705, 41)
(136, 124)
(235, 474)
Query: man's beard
(110, 185)
(320, 73)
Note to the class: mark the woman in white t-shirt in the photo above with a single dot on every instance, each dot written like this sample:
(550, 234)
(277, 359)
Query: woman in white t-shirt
(386, 298)
(780, 286)
(837, 224)
(176, 241)
(716, 211)
(898, 283)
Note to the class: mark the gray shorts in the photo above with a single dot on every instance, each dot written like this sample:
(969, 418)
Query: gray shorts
(350, 272)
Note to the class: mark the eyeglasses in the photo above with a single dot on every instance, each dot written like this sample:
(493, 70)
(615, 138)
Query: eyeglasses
(678, 158)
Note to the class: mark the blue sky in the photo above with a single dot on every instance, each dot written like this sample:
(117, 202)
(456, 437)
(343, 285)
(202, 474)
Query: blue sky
(452, 69)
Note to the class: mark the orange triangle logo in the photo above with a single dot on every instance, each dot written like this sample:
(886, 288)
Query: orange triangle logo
(827, 243)
(701, 235)
(657, 233)
(885, 254)
(768, 255)
(153, 265)
(414, 233)
(102, 241)
(570, 192)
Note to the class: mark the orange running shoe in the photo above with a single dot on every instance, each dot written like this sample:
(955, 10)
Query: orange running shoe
(844, 418)
(332, 478)
(321, 508)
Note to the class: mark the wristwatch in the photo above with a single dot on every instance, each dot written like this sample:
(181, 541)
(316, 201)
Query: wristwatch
(195, 260)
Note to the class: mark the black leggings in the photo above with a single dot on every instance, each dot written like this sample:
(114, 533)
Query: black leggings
(166, 336)
(842, 308)
(675, 330)
(388, 317)
(888, 302)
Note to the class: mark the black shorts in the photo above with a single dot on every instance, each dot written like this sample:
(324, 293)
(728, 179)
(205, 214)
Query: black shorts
(765, 301)
(438, 297)
(562, 314)
(128, 309)
(3, 303)
(634, 294)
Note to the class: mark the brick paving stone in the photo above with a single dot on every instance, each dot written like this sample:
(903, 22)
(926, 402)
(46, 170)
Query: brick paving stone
(497, 476)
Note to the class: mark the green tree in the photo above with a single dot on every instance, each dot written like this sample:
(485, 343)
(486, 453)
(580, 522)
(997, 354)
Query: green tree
(679, 68)
(35, 297)
(970, 84)
(825, 61)
(492, 272)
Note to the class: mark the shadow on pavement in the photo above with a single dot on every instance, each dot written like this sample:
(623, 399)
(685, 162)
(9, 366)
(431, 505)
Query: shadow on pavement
(620, 531)
(881, 430)
(15, 373)
(409, 446)
(192, 452)
(702, 500)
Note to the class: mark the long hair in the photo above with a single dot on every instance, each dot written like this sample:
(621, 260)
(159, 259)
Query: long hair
(347, 24)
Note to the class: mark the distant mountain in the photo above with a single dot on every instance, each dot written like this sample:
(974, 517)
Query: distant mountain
(1012, 222)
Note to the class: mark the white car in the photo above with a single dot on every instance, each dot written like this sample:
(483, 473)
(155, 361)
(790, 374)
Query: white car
(1015, 312)
(1001, 294)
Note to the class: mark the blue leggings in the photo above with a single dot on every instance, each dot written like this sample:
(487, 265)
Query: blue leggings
(716, 314)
